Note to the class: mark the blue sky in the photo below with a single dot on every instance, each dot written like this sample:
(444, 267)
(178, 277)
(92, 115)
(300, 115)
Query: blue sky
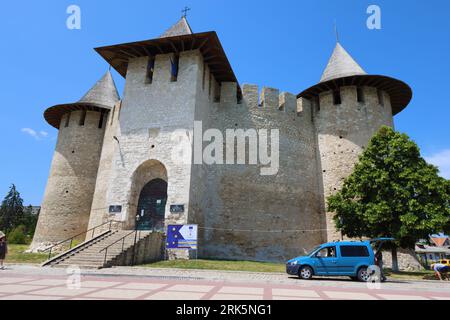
(283, 44)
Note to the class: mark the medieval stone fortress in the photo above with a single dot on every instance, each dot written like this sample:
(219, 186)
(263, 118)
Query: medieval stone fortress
(114, 156)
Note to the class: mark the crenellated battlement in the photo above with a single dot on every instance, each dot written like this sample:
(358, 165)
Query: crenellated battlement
(274, 99)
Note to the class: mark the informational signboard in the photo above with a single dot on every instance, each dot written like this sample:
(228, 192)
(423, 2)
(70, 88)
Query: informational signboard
(177, 208)
(182, 236)
(115, 209)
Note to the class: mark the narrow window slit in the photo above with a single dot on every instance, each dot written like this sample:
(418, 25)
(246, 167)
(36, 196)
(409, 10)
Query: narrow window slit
(150, 70)
(337, 97)
(82, 118)
(217, 92)
(175, 61)
(204, 75)
(100, 122)
(360, 94)
(67, 120)
(380, 97)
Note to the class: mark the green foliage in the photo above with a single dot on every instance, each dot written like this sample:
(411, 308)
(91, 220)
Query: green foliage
(18, 236)
(392, 192)
(13, 214)
(11, 210)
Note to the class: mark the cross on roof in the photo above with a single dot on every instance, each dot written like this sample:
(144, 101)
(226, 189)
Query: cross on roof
(185, 11)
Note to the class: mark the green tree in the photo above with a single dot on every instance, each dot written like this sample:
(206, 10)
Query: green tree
(11, 210)
(392, 192)
(29, 221)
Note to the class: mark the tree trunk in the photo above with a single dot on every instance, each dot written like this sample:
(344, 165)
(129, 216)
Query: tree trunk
(394, 259)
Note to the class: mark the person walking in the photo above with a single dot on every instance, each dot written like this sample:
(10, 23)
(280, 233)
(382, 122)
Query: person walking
(3, 249)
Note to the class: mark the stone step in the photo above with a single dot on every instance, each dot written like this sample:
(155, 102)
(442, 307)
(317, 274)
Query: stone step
(92, 256)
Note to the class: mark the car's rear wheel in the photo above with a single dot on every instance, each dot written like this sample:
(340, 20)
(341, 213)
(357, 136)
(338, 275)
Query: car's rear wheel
(363, 274)
(305, 273)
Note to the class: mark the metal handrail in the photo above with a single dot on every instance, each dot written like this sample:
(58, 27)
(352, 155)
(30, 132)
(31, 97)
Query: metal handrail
(85, 232)
(135, 232)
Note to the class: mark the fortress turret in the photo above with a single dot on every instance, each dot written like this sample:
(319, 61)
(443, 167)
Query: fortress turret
(68, 196)
(349, 106)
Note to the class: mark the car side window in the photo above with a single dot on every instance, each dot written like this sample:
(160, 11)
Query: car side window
(328, 252)
(354, 251)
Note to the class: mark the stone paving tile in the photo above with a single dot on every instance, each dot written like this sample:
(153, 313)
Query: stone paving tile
(141, 286)
(241, 290)
(349, 295)
(17, 288)
(47, 282)
(29, 297)
(401, 297)
(13, 280)
(175, 295)
(295, 293)
(227, 296)
(189, 287)
(98, 284)
(441, 298)
(293, 298)
(116, 294)
(63, 291)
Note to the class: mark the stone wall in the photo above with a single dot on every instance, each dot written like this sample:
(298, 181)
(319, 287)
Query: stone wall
(246, 215)
(407, 260)
(343, 131)
(150, 249)
(70, 187)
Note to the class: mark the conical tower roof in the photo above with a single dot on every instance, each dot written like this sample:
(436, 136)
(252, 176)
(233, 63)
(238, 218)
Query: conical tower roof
(104, 92)
(101, 97)
(342, 70)
(341, 64)
(180, 28)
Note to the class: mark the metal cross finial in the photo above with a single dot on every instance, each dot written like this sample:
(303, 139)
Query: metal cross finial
(185, 11)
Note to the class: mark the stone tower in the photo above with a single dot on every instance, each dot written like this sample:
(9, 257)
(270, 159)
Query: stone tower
(170, 82)
(349, 107)
(68, 196)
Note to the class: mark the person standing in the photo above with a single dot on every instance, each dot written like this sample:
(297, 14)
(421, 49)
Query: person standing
(3, 249)
(379, 263)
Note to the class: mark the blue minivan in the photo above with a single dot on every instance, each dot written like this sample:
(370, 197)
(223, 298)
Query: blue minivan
(340, 258)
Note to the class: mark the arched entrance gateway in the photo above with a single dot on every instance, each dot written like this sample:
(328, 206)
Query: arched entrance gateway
(151, 206)
(148, 197)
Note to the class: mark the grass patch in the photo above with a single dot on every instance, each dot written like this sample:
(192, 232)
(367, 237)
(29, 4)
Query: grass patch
(411, 275)
(16, 254)
(249, 266)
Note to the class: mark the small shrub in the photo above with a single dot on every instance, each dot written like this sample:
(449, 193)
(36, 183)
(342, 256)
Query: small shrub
(18, 236)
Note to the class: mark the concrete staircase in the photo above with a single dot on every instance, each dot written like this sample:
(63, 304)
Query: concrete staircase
(89, 254)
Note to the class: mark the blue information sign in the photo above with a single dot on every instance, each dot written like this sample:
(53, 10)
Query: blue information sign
(182, 237)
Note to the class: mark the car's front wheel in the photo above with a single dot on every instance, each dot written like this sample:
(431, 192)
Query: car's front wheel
(363, 274)
(305, 273)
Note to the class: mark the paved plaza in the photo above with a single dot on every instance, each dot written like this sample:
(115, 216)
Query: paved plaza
(34, 283)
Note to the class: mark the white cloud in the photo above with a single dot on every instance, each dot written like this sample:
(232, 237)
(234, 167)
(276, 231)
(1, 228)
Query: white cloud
(37, 135)
(441, 159)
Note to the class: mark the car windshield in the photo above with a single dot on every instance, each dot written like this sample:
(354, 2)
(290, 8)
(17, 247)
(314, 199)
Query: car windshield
(312, 251)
